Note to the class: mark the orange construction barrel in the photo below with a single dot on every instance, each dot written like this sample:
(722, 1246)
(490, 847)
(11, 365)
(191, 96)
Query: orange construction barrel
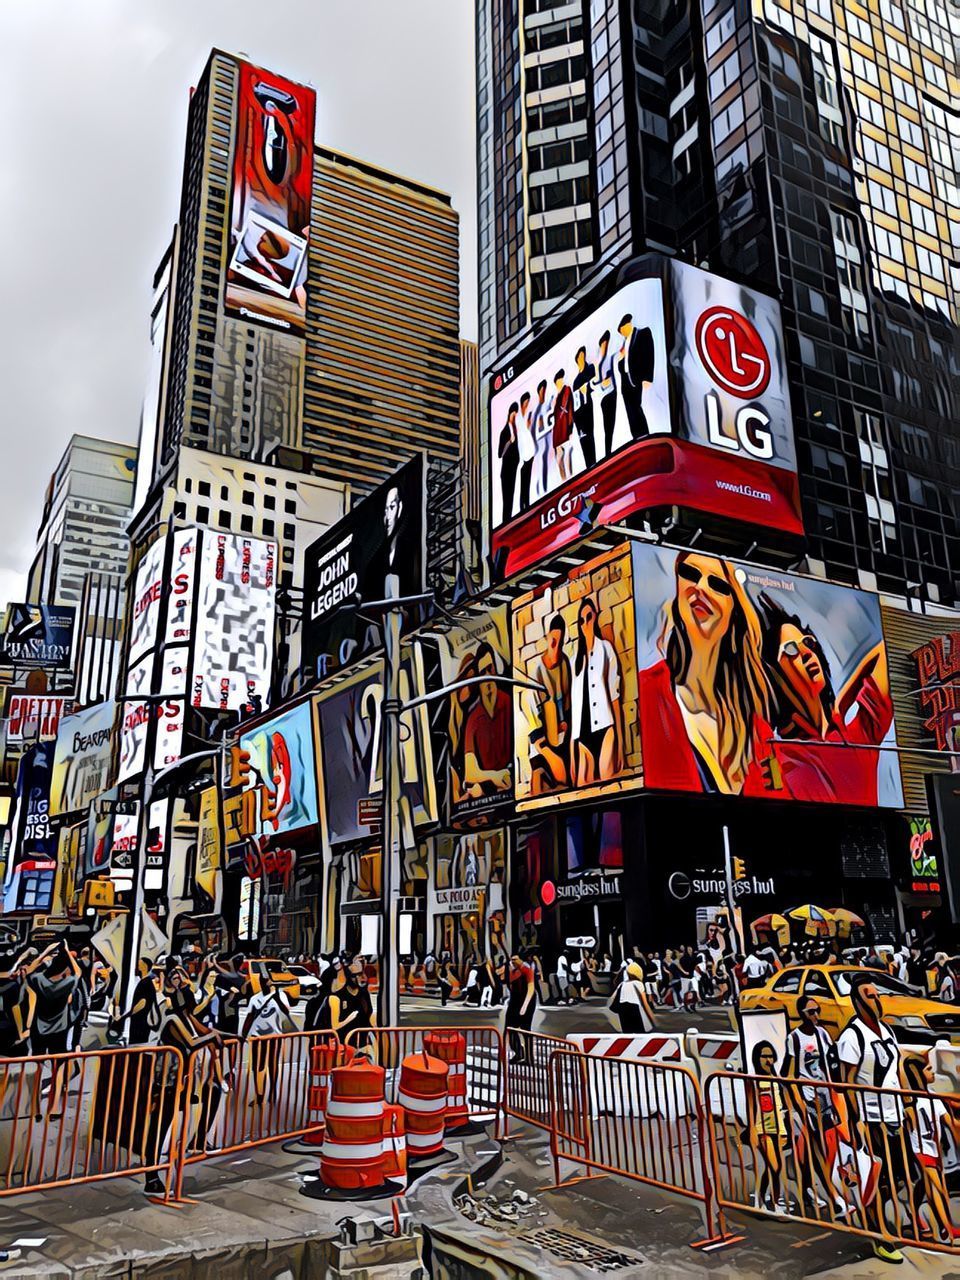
(394, 1144)
(451, 1047)
(351, 1157)
(423, 1096)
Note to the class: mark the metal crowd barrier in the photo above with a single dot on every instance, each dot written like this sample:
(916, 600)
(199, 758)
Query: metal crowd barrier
(871, 1161)
(639, 1120)
(388, 1046)
(245, 1093)
(71, 1118)
(527, 1076)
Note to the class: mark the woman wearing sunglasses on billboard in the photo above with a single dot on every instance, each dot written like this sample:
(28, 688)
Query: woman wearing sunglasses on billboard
(704, 705)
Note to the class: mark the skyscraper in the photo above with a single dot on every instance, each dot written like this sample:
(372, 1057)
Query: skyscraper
(807, 150)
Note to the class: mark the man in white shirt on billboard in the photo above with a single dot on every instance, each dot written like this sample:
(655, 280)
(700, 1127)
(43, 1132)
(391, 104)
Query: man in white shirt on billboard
(528, 450)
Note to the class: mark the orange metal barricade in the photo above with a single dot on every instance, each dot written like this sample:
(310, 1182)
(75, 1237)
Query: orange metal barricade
(245, 1093)
(388, 1046)
(71, 1118)
(638, 1120)
(527, 1072)
(842, 1156)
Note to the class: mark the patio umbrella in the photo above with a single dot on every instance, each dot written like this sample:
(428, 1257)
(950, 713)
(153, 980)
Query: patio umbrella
(774, 924)
(847, 921)
(816, 920)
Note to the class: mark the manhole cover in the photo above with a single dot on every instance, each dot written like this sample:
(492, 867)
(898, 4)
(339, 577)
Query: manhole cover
(574, 1248)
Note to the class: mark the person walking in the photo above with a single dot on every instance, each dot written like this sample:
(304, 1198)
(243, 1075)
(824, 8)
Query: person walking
(521, 1006)
(317, 1015)
(352, 1008)
(54, 976)
(143, 1017)
(268, 1015)
(811, 1054)
(929, 1123)
(16, 1009)
(445, 979)
(629, 1001)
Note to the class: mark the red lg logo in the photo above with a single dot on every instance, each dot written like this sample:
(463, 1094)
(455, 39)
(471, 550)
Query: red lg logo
(733, 353)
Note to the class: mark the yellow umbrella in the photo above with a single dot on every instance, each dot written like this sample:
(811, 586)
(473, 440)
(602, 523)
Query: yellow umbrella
(778, 925)
(815, 920)
(847, 921)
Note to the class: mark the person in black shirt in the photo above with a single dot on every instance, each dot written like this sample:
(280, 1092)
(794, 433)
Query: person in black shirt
(144, 1012)
(583, 407)
(15, 1009)
(351, 1006)
(230, 985)
(317, 1015)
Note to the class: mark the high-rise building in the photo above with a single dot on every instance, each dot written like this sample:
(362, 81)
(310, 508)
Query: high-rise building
(85, 514)
(307, 302)
(805, 149)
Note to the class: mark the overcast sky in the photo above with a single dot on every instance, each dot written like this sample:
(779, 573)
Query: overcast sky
(96, 99)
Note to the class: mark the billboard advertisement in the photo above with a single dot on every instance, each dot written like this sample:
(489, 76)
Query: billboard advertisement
(270, 200)
(32, 717)
(577, 733)
(350, 731)
(374, 553)
(81, 760)
(283, 763)
(37, 635)
(234, 624)
(758, 682)
(179, 621)
(148, 596)
(479, 719)
(671, 392)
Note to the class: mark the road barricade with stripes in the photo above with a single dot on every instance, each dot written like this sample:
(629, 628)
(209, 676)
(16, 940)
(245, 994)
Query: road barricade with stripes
(844, 1156)
(71, 1118)
(639, 1120)
(388, 1046)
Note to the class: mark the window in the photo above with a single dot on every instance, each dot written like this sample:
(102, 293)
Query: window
(874, 152)
(859, 27)
(789, 982)
(817, 985)
(916, 174)
(203, 515)
(246, 524)
(725, 75)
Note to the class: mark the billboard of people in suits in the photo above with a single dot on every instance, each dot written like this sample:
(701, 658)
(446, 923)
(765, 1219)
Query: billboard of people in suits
(756, 682)
(574, 641)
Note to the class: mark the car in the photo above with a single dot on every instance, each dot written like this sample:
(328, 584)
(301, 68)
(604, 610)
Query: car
(307, 982)
(913, 1018)
(283, 975)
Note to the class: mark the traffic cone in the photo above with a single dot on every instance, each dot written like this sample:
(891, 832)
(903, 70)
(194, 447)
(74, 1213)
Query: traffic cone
(451, 1047)
(423, 1096)
(351, 1157)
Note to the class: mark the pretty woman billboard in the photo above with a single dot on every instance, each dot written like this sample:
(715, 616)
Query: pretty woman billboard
(754, 682)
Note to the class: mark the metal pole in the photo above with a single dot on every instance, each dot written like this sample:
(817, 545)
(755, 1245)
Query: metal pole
(731, 898)
(389, 1002)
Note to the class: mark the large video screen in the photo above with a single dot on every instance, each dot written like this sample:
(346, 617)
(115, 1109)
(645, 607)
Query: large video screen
(270, 202)
(758, 682)
(672, 392)
(282, 759)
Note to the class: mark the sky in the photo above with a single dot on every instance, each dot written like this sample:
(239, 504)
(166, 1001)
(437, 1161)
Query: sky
(90, 170)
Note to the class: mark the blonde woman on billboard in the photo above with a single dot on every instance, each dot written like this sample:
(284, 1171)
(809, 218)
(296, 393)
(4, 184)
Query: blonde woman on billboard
(704, 706)
(597, 738)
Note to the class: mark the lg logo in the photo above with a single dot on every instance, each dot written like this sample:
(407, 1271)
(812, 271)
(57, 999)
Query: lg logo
(732, 352)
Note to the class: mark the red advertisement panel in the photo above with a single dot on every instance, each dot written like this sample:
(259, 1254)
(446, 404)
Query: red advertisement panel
(656, 472)
(270, 205)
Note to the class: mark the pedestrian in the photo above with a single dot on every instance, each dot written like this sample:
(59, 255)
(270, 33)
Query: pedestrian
(317, 1015)
(948, 984)
(562, 976)
(54, 976)
(577, 977)
(521, 1006)
(929, 1122)
(870, 1056)
(17, 1002)
(629, 1001)
(471, 989)
(444, 979)
(811, 1054)
(756, 969)
(352, 1008)
(143, 1015)
(267, 1014)
(230, 983)
(767, 1125)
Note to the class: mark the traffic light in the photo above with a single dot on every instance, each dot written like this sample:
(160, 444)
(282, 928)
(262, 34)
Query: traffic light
(772, 775)
(238, 768)
(739, 869)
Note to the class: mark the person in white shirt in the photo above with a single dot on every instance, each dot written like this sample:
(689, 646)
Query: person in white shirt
(756, 969)
(930, 1126)
(541, 428)
(870, 1057)
(268, 1015)
(527, 448)
(597, 751)
(563, 978)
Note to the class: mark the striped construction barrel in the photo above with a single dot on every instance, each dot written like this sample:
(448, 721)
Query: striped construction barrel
(423, 1096)
(394, 1144)
(352, 1153)
(451, 1047)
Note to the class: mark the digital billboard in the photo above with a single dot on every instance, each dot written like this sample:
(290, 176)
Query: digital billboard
(671, 392)
(479, 717)
(577, 733)
(374, 553)
(147, 604)
(759, 682)
(82, 758)
(234, 624)
(350, 733)
(270, 200)
(282, 761)
(37, 635)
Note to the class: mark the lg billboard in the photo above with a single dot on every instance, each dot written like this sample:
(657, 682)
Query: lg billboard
(270, 200)
(671, 392)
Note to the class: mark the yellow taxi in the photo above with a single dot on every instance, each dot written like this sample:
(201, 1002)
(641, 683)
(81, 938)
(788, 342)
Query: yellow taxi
(913, 1018)
(282, 977)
